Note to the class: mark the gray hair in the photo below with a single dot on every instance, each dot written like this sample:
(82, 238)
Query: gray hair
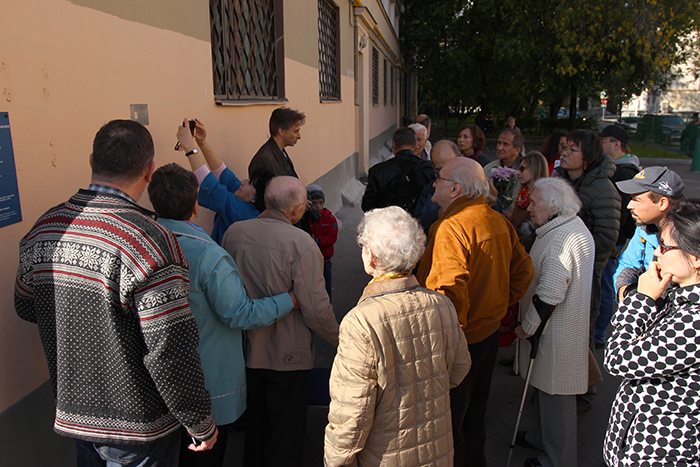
(518, 140)
(558, 196)
(284, 193)
(470, 175)
(418, 127)
(394, 237)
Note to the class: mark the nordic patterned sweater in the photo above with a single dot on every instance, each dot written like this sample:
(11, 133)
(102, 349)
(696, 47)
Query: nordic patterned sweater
(108, 288)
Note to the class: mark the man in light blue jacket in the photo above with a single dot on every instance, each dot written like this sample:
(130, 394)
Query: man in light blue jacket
(654, 190)
(218, 301)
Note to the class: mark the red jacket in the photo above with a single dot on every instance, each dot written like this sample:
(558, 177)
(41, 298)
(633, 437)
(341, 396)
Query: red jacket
(325, 233)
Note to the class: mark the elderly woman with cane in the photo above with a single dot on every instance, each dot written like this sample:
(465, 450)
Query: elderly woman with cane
(563, 256)
(401, 351)
(654, 348)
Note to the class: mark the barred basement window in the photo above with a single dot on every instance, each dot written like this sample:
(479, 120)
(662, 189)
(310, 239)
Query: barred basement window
(393, 98)
(328, 56)
(375, 76)
(385, 80)
(247, 49)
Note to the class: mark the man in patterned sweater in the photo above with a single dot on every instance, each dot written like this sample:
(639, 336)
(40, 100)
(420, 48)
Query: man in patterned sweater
(108, 288)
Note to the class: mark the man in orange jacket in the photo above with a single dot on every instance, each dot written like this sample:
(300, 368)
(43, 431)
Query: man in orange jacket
(474, 257)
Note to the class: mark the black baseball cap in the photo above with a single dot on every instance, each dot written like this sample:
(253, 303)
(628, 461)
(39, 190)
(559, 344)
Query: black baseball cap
(660, 180)
(616, 132)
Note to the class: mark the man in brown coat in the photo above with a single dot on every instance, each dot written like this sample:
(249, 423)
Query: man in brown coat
(274, 255)
(475, 258)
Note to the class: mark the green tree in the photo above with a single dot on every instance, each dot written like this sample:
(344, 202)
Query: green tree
(506, 56)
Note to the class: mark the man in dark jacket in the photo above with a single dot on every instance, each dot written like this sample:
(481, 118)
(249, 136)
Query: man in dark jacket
(398, 181)
(285, 131)
(614, 140)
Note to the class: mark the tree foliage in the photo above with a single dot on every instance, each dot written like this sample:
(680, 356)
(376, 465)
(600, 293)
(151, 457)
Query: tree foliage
(505, 56)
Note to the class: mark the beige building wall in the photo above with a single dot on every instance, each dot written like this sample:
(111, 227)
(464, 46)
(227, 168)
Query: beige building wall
(68, 67)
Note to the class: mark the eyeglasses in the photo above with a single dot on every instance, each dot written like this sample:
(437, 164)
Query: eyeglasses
(523, 168)
(446, 179)
(663, 248)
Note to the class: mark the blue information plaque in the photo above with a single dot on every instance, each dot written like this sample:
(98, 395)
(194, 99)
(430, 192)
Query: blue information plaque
(10, 209)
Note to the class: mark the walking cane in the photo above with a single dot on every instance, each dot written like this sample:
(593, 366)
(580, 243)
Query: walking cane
(545, 311)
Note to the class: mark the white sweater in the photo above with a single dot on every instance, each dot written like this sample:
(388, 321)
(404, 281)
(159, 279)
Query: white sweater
(563, 256)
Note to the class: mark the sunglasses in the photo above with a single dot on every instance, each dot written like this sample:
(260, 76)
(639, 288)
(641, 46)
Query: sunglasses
(663, 248)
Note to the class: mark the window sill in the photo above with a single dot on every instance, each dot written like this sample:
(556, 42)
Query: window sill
(248, 102)
(331, 101)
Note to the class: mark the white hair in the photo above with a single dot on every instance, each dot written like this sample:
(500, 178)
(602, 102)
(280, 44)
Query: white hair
(418, 127)
(394, 237)
(558, 196)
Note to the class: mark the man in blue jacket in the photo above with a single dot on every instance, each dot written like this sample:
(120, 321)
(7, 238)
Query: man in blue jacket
(219, 188)
(218, 301)
(654, 191)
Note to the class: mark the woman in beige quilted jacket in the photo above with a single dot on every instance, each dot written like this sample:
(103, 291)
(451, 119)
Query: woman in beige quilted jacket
(401, 351)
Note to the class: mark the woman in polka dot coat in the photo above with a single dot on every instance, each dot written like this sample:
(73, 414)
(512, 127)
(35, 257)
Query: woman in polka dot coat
(655, 347)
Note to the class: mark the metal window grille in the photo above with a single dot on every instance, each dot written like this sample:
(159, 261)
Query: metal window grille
(247, 49)
(386, 64)
(375, 76)
(392, 87)
(328, 66)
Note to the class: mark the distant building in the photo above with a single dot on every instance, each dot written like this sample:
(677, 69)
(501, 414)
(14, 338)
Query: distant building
(682, 97)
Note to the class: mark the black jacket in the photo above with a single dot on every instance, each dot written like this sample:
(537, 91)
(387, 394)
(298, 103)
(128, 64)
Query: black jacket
(397, 182)
(269, 157)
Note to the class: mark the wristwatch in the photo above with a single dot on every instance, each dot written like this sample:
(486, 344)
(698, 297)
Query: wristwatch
(193, 151)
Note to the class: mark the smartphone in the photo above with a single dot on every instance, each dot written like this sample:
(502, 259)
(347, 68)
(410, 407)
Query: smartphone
(193, 125)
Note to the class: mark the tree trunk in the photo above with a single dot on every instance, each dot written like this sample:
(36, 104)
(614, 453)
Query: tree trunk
(572, 106)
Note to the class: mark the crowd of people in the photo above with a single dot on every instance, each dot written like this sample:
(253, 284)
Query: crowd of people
(159, 336)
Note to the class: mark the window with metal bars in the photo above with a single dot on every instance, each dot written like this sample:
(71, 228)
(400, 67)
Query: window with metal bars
(375, 76)
(392, 87)
(386, 65)
(328, 55)
(247, 49)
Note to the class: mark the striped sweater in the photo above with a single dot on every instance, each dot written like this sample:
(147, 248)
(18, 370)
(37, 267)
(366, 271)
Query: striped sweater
(108, 287)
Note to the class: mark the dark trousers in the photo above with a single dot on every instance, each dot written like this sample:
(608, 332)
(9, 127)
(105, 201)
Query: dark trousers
(595, 305)
(468, 402)
(328, 276)
(214, 457)
(276, 417)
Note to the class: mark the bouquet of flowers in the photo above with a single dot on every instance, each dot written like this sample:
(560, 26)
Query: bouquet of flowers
(505, 180)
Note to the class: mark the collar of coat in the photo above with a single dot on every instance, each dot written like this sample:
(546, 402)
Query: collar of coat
(461, 203)
(183, 229)
(401, 284)
(679, 296)
(270, 213)
(553, 224)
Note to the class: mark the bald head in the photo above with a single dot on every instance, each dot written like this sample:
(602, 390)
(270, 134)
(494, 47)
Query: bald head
(285, 194)
(424, 120)
(468, 173)
(443, 151)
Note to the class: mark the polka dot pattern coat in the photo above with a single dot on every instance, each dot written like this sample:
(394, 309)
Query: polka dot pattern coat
(655, 417)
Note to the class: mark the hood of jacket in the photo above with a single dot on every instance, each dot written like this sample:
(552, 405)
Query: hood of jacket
(630, 160)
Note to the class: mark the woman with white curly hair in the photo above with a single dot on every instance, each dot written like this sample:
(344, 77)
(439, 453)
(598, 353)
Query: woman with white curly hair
(401, 351)
(563, 256)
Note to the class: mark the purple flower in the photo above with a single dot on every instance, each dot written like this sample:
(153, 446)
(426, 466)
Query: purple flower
(503, 174)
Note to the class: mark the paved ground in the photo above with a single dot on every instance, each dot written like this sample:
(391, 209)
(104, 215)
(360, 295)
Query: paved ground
(349, 280)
